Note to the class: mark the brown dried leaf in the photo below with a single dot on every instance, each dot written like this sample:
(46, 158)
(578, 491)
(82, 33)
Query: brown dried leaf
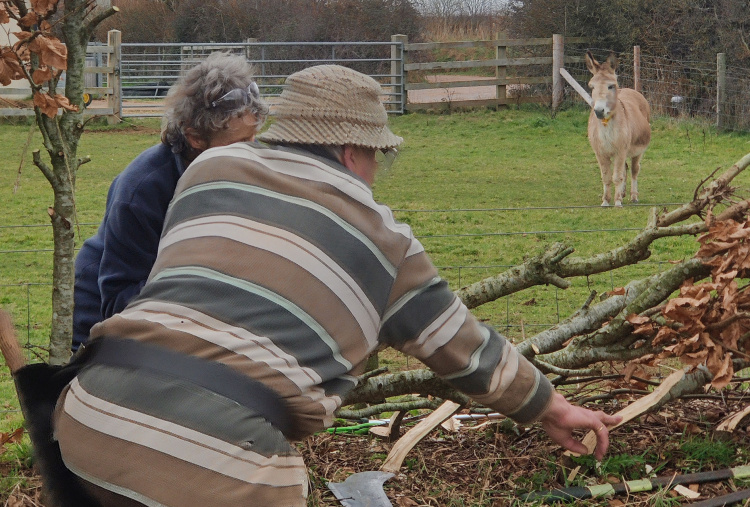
(43, 6)
(403, 501)
(4, 17)
(13, 437)
(42, 74)
(664, 335)
(637, 320)
(64, 103)
(51, 51)
(46, 104)
(30, 19)
(723, 374)
(10, 67)
(646, 330)
(22, 36)
(619, 291)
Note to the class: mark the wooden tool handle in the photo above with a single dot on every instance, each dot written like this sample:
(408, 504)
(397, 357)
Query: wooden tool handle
(9, 344)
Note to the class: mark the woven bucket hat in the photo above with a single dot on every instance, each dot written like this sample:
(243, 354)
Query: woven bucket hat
(331, 105)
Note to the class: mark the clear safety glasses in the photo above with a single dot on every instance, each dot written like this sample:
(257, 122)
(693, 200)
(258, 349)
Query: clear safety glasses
(385, 157)
(239, 96)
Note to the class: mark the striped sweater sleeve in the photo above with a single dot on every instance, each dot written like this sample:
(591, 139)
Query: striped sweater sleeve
(425, 319)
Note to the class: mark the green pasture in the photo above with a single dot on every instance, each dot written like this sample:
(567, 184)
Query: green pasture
(482, 190)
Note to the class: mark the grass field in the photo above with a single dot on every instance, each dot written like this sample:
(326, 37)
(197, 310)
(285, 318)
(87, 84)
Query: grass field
(481, 190)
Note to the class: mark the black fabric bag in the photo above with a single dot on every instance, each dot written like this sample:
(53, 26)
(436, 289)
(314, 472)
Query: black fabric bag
(39, 386)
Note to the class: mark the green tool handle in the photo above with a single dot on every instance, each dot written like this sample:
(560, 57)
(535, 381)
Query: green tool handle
(602, 490)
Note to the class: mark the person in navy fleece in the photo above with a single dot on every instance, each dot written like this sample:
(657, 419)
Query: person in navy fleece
(216, 103)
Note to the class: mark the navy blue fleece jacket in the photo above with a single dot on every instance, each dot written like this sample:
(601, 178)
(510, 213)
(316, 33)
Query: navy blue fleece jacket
(112, 266)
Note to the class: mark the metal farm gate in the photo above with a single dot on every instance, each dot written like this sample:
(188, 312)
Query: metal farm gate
(148, 70)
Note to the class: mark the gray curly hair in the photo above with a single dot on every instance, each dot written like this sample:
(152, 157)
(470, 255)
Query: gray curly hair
(190, 102)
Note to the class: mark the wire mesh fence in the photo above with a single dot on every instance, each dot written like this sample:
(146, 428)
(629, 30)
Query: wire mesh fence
(29, 298)
(677, 88)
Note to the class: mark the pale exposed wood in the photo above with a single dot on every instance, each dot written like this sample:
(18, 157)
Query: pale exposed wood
(451, 424)
(577, 87)
(9, 343)
(637, 408)
(413, 436)
(686, 492)
(392, 431)
(730, 423)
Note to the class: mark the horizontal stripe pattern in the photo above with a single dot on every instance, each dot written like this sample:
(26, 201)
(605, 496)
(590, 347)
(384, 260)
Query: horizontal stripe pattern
(284, 268)
(166, 455)
(297, 250)
(298, 164)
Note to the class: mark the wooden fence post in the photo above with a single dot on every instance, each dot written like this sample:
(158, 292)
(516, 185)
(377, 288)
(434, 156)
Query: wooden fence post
(558, 51)
(398, 70)
(637, 68)
(721, 82)
(114, 80)
(501, 71)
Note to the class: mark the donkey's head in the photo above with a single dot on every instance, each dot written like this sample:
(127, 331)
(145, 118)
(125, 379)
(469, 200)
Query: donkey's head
(603, 86)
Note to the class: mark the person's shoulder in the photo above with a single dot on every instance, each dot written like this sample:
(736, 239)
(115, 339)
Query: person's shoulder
(152, 159)
(151, 169)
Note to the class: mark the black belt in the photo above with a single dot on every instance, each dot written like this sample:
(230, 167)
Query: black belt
(216, 377)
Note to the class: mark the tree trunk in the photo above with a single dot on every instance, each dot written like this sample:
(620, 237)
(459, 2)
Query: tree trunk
(61, 134)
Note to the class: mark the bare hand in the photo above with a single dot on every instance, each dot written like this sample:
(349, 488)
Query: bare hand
(561, 418)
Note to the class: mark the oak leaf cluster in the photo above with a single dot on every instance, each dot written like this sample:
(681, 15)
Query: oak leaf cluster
(707, 323)
(38, 55)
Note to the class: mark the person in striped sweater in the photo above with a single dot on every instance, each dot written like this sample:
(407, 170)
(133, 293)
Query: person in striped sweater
(277, 275)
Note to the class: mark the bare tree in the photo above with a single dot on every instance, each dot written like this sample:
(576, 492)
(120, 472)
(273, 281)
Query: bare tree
(41, 58)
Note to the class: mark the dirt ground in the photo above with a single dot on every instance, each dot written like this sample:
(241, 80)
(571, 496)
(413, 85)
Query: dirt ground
(489, 464)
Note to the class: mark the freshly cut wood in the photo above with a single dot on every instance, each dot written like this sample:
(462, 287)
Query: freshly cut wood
(413, 436)
(392, 431)
(9, 344)
(730, 423)
(637, 408)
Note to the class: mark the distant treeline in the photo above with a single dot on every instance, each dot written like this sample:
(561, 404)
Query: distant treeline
(687, 30)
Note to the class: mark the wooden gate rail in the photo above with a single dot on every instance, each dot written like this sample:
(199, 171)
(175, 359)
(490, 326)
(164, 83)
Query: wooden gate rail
(501, 64)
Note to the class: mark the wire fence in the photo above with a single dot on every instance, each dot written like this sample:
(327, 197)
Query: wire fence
(30, 299)
(678, 88)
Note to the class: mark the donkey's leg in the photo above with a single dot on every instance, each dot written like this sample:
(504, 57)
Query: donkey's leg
(605, 167)
(618, 178)
(635, 168)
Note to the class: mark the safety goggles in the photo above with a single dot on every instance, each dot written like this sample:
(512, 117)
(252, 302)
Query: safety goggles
(385, 157)
(239, 96)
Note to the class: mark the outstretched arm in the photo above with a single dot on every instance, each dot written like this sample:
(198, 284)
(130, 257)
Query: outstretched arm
(562, 417)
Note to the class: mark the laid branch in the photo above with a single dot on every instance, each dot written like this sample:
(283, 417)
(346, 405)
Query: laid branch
(585, 320)
(562, 372)
(709, 195)
(554, 265)
(538, 270)
(424, 382)
(400, 406)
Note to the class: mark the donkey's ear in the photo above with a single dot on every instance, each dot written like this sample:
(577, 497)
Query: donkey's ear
(591, 62)
(612, 61)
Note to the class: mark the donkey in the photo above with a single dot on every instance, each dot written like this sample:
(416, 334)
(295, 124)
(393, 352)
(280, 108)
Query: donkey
(618, 129)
